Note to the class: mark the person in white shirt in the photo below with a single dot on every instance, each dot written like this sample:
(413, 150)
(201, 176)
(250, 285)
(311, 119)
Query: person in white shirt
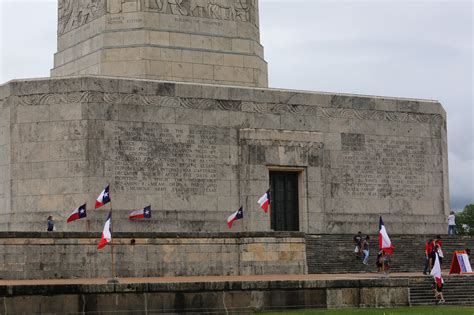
(452, 224)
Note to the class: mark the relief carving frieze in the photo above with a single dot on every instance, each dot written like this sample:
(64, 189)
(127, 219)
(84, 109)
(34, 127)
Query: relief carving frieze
(73, 13)
(231, 10)
(228, 105)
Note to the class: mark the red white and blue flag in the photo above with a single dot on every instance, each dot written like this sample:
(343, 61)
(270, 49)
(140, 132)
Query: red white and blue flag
(264, 201)
(77, 214)
(103, 198)
(436, 272)
(384, 241)
(238, 215)
(106, 233)
(145, 213)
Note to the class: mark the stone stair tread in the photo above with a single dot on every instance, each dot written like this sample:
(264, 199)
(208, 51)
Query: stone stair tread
(332, 254)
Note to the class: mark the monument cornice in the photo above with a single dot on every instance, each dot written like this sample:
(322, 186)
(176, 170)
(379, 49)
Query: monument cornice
(227, 105)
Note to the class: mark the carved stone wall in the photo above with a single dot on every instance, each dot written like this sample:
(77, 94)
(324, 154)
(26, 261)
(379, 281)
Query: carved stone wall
(73, 14)
(199, 152)
(207, 41)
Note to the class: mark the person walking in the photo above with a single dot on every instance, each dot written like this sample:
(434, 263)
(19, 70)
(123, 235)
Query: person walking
(365, 249)
(452, 224)
(438, 279)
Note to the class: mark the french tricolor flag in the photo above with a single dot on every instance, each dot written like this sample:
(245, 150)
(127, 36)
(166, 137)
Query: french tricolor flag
(264, 201)
(77, 214)
(238, 215)
(145, 213)
(103, 198)
(106, 233)
(436, 272)
(384, 241)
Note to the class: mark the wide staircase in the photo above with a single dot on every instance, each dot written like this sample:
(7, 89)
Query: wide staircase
(458, 290)
(335, 253)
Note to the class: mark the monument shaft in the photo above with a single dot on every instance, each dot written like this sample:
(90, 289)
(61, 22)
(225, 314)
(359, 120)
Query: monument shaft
(206, 41)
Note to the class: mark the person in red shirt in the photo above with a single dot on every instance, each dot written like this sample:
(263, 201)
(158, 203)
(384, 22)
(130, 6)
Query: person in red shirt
(428, 250)
(438, 242)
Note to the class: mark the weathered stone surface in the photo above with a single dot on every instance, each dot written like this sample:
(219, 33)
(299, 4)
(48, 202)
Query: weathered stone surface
(203, 41)
(75, 255)
(236, 297)
(197, 153)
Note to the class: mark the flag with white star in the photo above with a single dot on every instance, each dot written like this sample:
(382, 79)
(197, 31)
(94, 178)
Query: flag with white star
(77, 214)
(145, 213)
(103, 198)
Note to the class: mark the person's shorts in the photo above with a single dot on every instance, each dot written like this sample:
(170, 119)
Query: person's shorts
(439, 289)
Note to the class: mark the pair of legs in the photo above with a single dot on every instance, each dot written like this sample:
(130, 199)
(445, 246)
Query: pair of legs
(439, 296)
(366, 257)
(427, 266)
(451, 230)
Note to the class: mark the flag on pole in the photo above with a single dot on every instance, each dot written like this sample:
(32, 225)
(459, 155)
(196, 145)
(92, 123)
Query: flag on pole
(384, 241)
(103, 198)
(106, 234)
(436, 272)
(145, 213)
(238, 215)
(264, 201)
(77, 214)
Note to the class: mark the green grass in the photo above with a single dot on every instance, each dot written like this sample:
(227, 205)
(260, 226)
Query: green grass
(430, 310)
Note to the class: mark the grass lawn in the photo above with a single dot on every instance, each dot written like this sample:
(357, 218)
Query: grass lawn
(429, 310)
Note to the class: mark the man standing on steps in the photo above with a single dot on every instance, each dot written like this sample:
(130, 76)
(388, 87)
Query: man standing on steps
(452, 224)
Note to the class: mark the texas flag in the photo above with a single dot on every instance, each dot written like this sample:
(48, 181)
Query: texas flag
(103, 198)
(145, 213)
(106, 234)
(77, 214)
(238, 215)
(264, 201)
(384, 241)
(436, 272)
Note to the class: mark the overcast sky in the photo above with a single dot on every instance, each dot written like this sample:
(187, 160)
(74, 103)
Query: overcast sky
(417, 49)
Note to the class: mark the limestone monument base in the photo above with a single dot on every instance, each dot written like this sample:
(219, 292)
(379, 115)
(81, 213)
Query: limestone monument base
(198, 152)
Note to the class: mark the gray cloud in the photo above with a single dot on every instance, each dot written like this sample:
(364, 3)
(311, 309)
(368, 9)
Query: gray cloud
(417, 49)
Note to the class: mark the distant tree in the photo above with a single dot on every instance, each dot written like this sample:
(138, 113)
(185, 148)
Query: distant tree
(465, 221)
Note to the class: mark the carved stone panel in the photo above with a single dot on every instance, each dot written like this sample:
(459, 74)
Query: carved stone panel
(377, 167)
(179, 160)
(123, 6)
(73, 13)
(231, 10)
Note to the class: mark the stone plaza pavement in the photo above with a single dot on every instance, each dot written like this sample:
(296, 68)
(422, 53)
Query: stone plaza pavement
(203, 279)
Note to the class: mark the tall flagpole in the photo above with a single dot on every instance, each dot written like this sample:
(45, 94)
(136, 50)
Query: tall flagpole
(112, 236)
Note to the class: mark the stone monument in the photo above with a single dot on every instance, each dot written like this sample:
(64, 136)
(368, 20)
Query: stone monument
(207, 41)
(198, 150)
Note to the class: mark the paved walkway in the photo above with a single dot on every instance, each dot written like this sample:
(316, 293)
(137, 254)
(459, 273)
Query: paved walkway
(320, 277)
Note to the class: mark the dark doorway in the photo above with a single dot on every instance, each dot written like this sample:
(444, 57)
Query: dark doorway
(284, 201)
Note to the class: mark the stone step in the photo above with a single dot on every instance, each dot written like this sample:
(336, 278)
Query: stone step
(334, 253)
(457, 291)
